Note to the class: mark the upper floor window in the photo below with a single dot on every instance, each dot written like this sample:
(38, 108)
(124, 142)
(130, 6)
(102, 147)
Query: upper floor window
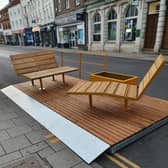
(97, 27)
(130, 23)
(112, 25)
(59, 5)
(67, 4)
(77, 2)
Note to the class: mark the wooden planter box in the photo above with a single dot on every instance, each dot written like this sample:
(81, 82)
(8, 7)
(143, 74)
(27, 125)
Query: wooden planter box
(115, 77)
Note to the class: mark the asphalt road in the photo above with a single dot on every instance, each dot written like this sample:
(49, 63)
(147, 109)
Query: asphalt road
(150, 151)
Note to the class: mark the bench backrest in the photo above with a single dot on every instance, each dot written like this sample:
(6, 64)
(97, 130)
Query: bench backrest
(34, 61)
(150, 75)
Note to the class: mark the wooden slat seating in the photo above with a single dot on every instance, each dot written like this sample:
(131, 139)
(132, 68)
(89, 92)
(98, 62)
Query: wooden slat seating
(121, 90)
(38, 65)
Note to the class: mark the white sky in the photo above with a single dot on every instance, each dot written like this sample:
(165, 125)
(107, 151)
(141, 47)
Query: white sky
(3, 3)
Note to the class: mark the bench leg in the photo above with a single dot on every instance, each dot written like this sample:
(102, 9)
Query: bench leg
(41, 85)
(32, 82)
(63, 78)
(125, 104)
(90, 101)
(53, 77)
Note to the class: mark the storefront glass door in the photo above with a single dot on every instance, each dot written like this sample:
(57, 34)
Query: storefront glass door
(73, 39)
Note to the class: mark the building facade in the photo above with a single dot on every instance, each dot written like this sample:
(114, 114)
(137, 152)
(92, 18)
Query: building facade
(115, 26)
(40, 17)
(17, 23)
(71, 23)
(155, 25)
(5, 25)
(126, 25)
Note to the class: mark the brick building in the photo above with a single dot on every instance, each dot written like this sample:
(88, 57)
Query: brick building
(5, 25)
(70, 21)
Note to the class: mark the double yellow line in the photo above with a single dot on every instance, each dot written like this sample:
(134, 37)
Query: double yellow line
(122, 161)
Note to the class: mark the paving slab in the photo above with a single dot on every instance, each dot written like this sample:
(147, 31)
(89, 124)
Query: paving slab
(46, 152)
(15, 144)
(6, 124)
(4, 135)
(2, 152)
(57, 146)
(10, 157)
(28, 162)
(20, 121)
(8, 116)
(36, 136)
(64, 159)
(34, 148)
(18, 130)
(82, 165)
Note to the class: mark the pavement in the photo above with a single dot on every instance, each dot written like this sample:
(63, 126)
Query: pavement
(139, 56)
(24, 143)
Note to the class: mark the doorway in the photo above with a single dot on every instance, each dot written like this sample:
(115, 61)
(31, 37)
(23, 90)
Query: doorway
(73, 39)
(151, 26)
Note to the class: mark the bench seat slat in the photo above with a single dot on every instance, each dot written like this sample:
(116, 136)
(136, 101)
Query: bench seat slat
(49, 72)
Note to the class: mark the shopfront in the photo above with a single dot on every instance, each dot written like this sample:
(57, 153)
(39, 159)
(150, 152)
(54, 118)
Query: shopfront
(48, 35)
(71, 31)
(36, 36)
(28, 36)
(18, 37)
(8, 36)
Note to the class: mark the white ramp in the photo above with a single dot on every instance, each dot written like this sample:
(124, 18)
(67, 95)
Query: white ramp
(83, 143)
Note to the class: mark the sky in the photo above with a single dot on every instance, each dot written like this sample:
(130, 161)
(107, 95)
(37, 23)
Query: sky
(3, 3)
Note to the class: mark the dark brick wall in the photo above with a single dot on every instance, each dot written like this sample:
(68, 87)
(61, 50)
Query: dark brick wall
(72, 6)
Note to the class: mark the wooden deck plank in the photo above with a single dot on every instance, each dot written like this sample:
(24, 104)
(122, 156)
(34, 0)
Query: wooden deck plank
(107, 120)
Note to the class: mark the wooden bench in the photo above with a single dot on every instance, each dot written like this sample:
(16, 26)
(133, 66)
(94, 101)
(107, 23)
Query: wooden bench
(39, 65)
(116, 89)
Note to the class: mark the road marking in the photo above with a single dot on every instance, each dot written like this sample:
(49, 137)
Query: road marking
(49, 136)
(124, 159)
(117, 162)
(54, 141)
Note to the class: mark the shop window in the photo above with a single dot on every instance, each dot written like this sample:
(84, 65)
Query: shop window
(131, 23)
(81, 37)
(97, 27)
(112, 25)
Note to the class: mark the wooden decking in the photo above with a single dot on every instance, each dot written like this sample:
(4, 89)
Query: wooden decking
(107, 120)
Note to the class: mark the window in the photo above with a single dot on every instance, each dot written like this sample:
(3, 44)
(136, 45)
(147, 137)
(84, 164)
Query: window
(67, 4)
(131, 23)
(77, 2)
(97, 27)
(59, 5)
(112, 25)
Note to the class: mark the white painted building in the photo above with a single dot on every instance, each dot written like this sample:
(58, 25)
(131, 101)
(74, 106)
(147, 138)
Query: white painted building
(17, 23)
(40, 16)
(122, 26)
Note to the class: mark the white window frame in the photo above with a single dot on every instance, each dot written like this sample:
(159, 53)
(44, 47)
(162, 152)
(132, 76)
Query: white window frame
(96, 23)
(111, 21)
(77, 2)
(67, 4)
